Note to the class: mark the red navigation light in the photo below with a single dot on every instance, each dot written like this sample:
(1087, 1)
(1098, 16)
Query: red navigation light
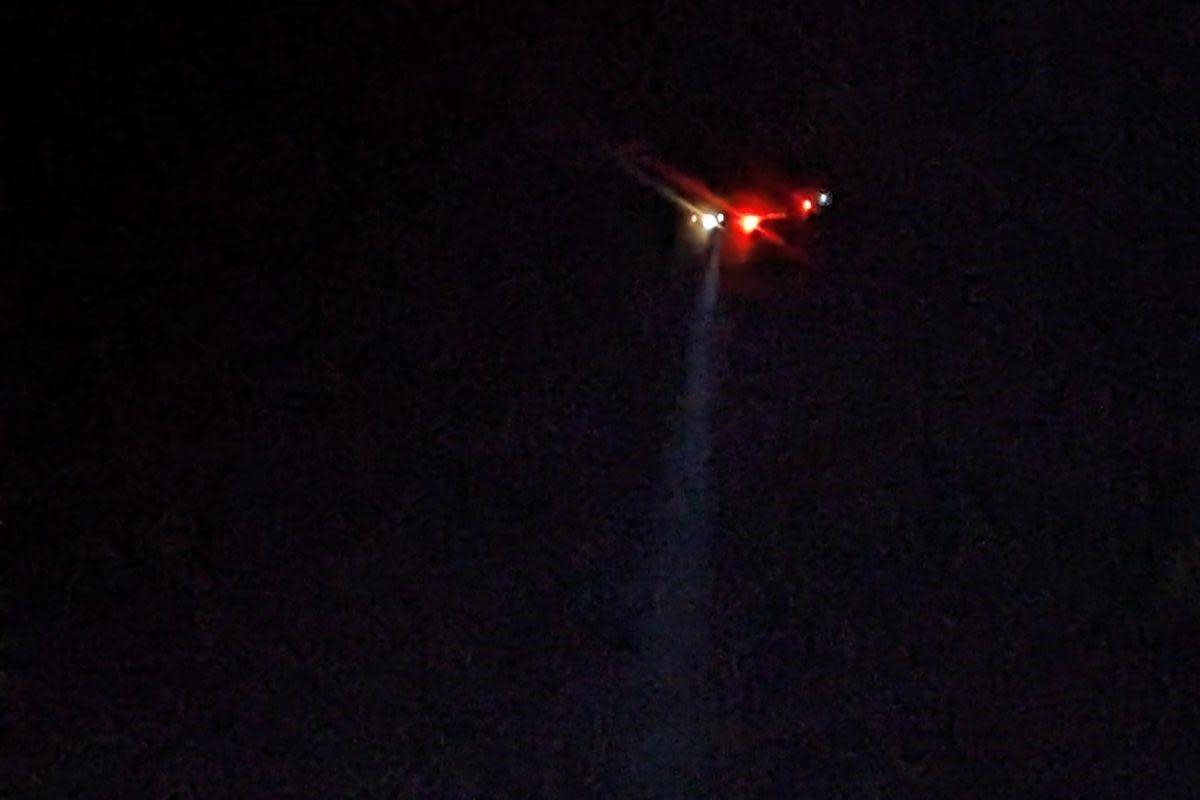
(750, 222)
(806, 205)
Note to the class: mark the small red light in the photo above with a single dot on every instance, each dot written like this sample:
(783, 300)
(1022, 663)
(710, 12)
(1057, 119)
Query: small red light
(750, 222)
(807, 204)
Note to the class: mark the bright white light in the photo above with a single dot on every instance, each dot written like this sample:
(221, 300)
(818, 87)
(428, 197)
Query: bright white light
(709, 222)
(823, 198)
(694, 218)
(720, 217)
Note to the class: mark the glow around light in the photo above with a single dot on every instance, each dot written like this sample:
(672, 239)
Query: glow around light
(709, 221)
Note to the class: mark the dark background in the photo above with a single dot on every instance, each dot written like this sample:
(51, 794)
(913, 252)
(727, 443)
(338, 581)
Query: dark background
(338, 372)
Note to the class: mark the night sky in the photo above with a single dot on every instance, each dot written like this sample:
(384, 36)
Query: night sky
(345, 380)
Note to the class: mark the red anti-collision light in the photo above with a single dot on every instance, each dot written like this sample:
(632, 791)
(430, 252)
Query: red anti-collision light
(750, 222)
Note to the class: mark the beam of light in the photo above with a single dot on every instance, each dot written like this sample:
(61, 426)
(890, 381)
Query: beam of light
(675, 635)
